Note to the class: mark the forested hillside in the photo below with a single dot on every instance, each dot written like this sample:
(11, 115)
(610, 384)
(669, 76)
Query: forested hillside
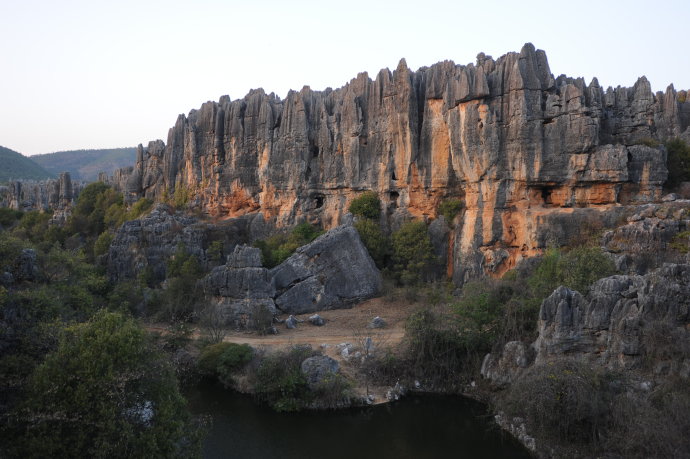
(14, 165)
(86, 164)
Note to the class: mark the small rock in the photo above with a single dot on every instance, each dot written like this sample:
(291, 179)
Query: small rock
(317, 320)
(670, 197)
(291, 322)
(635, 218)
(377, 322)
(417, 384)
(368, 345)
(273, 331)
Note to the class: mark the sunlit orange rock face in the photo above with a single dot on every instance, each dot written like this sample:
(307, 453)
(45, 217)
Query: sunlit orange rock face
(522, 149)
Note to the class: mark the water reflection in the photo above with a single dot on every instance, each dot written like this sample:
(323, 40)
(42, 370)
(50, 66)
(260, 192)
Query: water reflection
(415, 428)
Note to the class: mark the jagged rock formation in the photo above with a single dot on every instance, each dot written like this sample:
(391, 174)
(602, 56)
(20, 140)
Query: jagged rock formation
(146, 244)
(333, 271)
(506, 136)
(620, 323)
(58, 194)
(650, 238)
(242, 288)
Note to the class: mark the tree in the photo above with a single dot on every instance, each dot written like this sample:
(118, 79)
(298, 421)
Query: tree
(413, 254)
(368, 205)
(105, 391)
(374, 240)
(678, 162)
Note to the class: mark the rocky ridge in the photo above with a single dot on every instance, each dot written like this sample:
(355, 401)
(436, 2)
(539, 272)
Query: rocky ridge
(515, 143)
(53, 194)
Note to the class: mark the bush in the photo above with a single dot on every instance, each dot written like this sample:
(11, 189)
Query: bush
(102, 244)
(450, 208)
(565, 400)
(576, 269)
(436, 350)
(367, 205)
(277, 248)
(678, 163)
(223, 359)
(374, 240)
(413, 254)
(279, 381)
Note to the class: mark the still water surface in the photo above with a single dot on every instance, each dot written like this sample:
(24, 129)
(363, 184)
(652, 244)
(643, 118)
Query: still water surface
(417, 427)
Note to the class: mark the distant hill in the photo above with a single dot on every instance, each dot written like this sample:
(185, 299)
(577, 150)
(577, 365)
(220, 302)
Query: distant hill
(14, 165)
(86, 164)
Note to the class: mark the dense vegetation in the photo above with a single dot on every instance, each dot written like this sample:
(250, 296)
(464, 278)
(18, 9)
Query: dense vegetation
(17, 166)
(87, 164)
(79, 377)
(678, 163)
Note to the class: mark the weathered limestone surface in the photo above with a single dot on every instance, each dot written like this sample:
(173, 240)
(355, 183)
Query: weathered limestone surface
(505, 135)
(333, 271)
(54, 194)
(622, 320)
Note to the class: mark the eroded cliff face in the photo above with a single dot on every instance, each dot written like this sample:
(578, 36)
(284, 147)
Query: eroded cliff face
(515, 143)
(55, 194)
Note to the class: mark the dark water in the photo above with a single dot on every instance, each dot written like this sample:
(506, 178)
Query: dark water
(414, 428)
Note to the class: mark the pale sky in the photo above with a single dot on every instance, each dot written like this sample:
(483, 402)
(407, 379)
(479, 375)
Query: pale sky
(104, 74)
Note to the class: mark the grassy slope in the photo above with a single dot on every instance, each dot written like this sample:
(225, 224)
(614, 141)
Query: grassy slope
(14, 165)
(86, 164)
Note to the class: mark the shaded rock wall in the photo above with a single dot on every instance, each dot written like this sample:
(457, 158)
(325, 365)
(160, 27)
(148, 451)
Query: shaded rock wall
(625, 322)
(504, 135)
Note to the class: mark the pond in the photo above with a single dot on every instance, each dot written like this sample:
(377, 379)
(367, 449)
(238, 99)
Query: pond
(418, 427)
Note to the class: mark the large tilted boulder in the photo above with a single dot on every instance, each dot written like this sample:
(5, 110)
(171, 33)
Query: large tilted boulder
(334, 271)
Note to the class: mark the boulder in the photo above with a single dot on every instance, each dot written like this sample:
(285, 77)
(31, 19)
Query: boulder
(333, 271)
(377, 322)
(317, 320)
(319, 368)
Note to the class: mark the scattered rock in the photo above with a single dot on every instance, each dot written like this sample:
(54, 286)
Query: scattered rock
(317, 320)
(291, 322)
(377, 322)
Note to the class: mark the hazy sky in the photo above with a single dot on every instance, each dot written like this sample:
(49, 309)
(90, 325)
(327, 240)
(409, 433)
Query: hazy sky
(98, 74)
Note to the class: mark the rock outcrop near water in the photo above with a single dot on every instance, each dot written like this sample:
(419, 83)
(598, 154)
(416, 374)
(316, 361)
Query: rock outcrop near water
(514, 142)
(624, 322)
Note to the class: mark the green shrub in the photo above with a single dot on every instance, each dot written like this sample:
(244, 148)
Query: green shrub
(181, 197)
(576, 269)
(367, 205)
(279, 247)
(215, 251)
(678, 163)
(450, 208)
(222, 359)
(413, 254)
(648, 142)
(681, 242)
(279, 381)
(377, 244)
(102, 244)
